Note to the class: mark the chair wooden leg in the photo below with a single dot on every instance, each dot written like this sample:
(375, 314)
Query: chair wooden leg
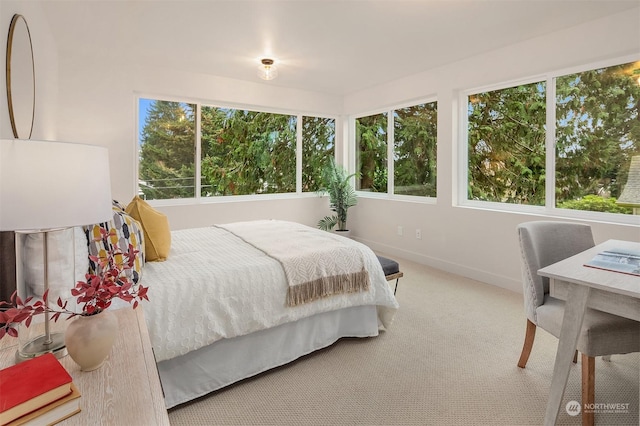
(528, 344)
(588, 389)
(575, 357)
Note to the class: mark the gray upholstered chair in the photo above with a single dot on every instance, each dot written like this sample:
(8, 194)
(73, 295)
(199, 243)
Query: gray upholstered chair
(541, 244)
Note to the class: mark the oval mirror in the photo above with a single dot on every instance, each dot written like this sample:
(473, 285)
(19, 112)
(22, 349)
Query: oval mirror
(21, 79)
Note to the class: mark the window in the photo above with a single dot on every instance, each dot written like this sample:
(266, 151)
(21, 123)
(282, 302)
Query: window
(247, 152)
(371, 153)
(318, 145)
(167, 147)
(506, 145)
(413, 139)
(241, 152)
(597, 133)
(594, 127)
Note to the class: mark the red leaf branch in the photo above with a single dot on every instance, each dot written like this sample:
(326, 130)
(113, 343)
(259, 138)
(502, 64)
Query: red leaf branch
(96, 292)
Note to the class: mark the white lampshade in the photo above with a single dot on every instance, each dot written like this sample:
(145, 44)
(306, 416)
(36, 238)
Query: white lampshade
(49, 185)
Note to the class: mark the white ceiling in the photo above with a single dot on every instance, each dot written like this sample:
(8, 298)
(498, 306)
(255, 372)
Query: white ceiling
(336, 47)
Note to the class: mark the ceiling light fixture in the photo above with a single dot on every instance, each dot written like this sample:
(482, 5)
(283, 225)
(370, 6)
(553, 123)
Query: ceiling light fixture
(266, 70)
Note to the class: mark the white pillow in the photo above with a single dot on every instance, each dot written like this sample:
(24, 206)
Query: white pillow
(68, 260)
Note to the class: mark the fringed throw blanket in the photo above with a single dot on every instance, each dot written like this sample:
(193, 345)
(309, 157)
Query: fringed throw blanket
(316, 263)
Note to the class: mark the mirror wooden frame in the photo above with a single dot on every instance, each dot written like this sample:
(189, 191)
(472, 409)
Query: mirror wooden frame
(18, 61)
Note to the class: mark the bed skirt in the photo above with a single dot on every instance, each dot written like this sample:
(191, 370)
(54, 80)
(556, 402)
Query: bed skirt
(230, 360)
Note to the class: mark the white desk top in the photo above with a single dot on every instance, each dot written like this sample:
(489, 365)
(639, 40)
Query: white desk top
(573, 270)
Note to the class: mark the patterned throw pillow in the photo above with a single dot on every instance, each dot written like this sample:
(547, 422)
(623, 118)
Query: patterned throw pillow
(127, 231)
(118, 204)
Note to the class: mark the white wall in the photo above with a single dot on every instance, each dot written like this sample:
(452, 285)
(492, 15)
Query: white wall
(481, 244)
(307, 210)
(98, 105)
(93, 100)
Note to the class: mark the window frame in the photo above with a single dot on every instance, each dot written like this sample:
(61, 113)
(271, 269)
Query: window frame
(199, 103)
(352, 166)
(549, 209)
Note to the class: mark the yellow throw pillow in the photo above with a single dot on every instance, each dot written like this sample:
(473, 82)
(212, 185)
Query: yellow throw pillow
(155, 225)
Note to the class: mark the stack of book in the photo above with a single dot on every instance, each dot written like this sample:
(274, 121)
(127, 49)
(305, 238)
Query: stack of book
(37, 392)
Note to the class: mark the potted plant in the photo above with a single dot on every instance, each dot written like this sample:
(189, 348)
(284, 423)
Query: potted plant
(94, 323)
(335, 183)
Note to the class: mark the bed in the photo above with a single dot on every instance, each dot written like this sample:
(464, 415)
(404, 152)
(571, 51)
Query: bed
(226, 304)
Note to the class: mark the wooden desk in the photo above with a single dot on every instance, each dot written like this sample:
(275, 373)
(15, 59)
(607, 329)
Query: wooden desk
(126, 390)
(583, 287)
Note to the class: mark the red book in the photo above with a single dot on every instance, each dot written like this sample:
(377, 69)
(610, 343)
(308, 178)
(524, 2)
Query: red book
(52, 413)
(30, 385)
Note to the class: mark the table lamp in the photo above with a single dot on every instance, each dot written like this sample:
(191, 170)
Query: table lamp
(47, 186)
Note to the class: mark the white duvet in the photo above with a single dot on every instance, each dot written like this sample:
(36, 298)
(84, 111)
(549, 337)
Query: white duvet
(215, 286)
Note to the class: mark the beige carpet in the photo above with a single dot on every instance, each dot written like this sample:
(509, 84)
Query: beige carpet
(448, 359)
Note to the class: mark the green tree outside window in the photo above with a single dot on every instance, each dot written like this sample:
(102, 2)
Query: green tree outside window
(371, 153)
(506, 145)
(167, 151)
(247, 152)
(415, 147)
(318, 147)
(597, 133)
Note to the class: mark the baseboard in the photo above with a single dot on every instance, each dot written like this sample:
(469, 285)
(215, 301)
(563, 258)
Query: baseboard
(451, 267)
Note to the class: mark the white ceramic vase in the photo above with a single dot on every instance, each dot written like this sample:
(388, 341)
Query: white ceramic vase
(89, 339)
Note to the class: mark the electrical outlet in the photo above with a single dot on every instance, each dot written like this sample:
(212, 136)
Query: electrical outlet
(400, 230)
(418, 234)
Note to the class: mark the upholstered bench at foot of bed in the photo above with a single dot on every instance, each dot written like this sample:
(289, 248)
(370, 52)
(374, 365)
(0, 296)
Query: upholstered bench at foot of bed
(391, 270)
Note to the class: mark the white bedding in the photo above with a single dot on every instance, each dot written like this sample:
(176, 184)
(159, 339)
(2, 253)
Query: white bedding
(216, 286)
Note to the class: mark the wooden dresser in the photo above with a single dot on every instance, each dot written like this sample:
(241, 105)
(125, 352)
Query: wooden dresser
(126, 390)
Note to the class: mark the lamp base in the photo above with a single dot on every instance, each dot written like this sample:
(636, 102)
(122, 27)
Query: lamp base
(37, 347)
